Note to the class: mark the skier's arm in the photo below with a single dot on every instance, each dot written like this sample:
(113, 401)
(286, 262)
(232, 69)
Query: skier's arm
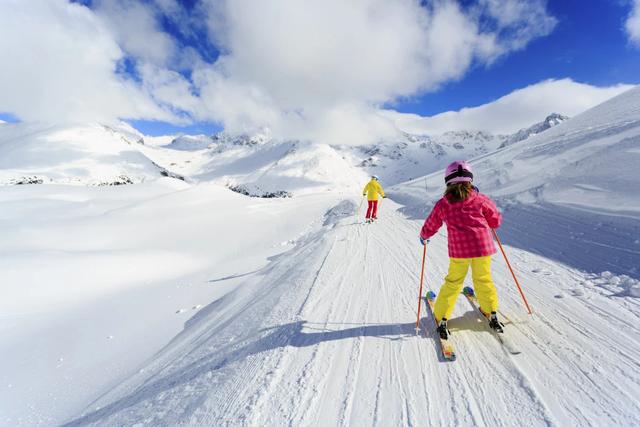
(380, 190)
(433, 223)
(491, 213)
(364, 190)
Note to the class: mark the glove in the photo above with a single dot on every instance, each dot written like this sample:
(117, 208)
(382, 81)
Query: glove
(364, 194)
(424, 241)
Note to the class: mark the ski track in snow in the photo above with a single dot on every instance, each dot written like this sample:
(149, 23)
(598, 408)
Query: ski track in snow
(325, 336)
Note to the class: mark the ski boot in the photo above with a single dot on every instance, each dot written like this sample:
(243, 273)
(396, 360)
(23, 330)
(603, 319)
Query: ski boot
(442, 329)
(494, 323)
(468, 291)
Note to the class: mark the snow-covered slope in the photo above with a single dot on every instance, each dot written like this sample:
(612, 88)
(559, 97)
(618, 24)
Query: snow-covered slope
(260, 166)
(91, 154)
(571, 193)
(325, 336)
(588, 161)
(96, 280)
(294, 167)
(184, 303)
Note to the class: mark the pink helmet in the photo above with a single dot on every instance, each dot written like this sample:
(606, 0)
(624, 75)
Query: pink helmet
(458, 171)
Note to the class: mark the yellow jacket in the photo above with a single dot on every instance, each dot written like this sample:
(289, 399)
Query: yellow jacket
(372, 189)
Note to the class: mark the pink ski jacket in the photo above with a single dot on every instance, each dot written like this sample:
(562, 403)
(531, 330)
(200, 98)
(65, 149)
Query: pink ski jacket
(468, 225)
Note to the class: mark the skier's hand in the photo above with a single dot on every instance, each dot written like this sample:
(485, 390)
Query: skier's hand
(424, 241)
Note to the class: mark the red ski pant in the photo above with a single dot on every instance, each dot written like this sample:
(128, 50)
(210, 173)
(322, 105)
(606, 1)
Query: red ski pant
(372, 210)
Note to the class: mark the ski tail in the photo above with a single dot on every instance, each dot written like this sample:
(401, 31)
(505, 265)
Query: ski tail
(498, 331)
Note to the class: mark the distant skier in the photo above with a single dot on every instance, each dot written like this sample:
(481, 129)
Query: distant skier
(372, 190)
(469, 216)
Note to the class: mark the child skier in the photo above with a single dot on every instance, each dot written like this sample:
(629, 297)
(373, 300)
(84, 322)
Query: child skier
(371, 190)
(469, 216)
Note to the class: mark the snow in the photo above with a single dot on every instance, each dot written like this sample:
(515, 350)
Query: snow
(332, 342)
(170, 302)
(191, 142)
(569, 193)
(397, 161)
(159, 141)
(89, 154)
(104, 301)
(264, 166)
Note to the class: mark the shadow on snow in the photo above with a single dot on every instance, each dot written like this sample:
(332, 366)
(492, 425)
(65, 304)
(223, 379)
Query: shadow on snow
(297, 334)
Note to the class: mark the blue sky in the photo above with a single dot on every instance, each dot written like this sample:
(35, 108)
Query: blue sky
(279, 71)
(588, 45)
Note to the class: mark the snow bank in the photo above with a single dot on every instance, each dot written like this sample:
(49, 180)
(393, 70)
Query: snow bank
(620, 285)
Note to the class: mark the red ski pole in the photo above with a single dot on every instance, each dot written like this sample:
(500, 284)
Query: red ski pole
(511, 269)
(424, 256)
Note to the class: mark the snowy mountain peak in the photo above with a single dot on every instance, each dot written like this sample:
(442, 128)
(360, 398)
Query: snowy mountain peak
(550, 121)
(242, 139)
(554, 119)
(463, 135)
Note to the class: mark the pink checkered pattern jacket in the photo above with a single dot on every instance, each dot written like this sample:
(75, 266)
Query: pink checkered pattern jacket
(469, 225)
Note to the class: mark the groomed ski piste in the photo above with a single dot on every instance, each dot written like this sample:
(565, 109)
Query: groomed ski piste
(307, 316)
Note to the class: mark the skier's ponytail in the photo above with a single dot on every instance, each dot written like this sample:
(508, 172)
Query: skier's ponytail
(458, 192)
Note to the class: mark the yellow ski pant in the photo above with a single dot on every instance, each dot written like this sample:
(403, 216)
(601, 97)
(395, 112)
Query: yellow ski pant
(482, 282)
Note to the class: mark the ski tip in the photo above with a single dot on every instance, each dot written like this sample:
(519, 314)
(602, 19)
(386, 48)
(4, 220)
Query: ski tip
(468, 290)
(431, 295)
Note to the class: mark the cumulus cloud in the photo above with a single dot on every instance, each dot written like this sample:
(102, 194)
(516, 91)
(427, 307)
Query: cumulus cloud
(518, 22)
(318, 69)
(314, 62)
(633, 23)
(515, 111)
(136, 30)
(59, 64)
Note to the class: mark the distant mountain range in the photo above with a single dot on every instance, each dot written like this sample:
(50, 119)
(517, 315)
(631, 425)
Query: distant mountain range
(109, 155)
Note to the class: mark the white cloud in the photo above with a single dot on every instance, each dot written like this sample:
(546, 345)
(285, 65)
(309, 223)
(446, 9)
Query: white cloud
(242, 108)
(318, 69)
(135, 28)
(633, 23)
(515, 111)
(316, 61)
(518, 22)
(59, 63)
